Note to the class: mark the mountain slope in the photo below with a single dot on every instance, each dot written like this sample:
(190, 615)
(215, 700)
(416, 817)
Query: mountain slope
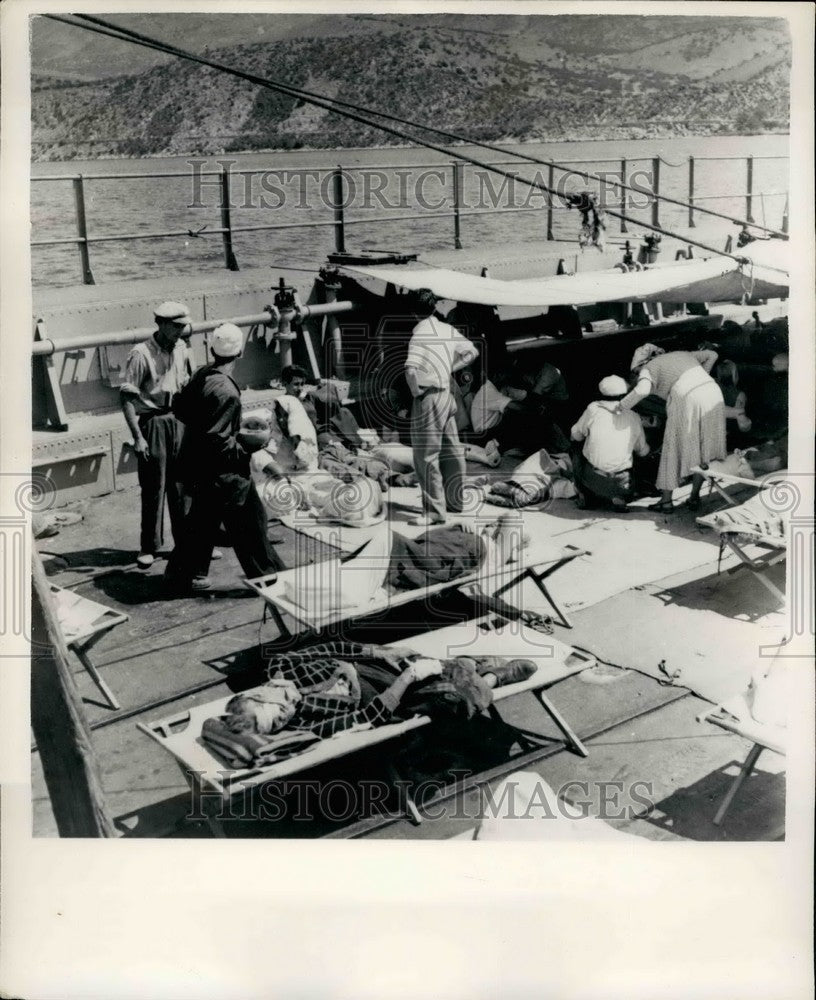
(486, 85)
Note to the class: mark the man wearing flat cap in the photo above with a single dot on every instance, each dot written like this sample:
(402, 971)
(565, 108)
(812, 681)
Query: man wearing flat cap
(156, 370)
(602, 467)
(214, 467)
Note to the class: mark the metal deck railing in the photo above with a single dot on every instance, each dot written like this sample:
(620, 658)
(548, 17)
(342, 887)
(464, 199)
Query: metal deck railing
(454, 176)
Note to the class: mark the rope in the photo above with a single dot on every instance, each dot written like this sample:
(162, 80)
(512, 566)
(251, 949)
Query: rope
(335, 106)
(303, 93)
(133, 35)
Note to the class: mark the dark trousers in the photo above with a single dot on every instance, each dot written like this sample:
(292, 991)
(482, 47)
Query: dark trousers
(439, 458)
(233, 501)
(158, 480)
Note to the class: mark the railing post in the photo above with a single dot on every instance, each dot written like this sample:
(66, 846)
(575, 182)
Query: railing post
(82, 231)
(226, 221)
(623, 198)
(691, 193)
(749, 188)
(656, 190)
(551, 185)
(337, 200)
(457, 197)
(785, 213)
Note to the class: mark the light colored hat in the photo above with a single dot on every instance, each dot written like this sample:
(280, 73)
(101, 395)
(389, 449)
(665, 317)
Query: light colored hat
(227, 340)
(645, 353)
(176, 312)
(613, 385)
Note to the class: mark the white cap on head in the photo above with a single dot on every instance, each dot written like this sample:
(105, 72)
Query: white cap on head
(174, 312)
(227, 340)
(613, 385)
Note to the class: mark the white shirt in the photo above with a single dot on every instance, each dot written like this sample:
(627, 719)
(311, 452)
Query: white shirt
(153, 376)
(433, 351)
(610, 437)
(487, 407)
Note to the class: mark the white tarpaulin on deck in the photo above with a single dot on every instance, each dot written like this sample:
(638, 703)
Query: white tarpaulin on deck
(716, 280)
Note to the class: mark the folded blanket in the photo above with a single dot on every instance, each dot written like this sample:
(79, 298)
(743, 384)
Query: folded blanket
(252, 750)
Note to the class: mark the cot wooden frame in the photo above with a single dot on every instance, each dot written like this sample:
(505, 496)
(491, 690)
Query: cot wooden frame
(271, 590)
(734, 537)
(764, 737)
(214, 784)
(82, 643)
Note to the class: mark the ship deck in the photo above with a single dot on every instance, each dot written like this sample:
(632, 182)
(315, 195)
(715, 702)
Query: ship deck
(649, 592)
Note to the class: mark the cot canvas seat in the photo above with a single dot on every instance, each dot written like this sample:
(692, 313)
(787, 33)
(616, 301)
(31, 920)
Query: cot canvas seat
(281, 593)
(212, 780)
(753, 522)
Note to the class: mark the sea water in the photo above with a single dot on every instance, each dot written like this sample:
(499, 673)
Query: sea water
(411, 189)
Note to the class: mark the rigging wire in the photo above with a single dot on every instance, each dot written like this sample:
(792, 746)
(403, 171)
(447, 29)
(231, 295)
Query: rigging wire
(101, 27)
(525, 157)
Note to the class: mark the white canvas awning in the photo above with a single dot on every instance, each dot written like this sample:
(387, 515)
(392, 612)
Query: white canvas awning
(718, 279)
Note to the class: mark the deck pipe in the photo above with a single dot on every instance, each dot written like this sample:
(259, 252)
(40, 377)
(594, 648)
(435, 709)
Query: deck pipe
(269, 317)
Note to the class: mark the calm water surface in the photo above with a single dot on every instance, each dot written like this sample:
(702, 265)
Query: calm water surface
(387, 184)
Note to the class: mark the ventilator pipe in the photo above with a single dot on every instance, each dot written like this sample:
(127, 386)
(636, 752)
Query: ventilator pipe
(269, 318)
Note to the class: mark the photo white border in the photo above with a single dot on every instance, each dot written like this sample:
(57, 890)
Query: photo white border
(186, 918)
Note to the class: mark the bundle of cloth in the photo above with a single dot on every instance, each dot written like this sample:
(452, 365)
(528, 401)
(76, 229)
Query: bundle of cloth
(337, 687)
(288, 475)
(539, 478)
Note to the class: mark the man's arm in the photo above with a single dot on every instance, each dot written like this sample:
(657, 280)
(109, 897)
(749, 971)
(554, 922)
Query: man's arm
(218, 419)
(381, 708)
(465, 353)
(581, 428)
(412, 380)
(641, 447)
(135, 374)
(132, 420)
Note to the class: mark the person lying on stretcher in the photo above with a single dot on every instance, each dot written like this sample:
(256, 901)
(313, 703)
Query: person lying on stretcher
(390, 563)
(338, 686)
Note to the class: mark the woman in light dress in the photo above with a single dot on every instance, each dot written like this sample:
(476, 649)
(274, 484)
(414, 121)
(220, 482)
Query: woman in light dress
(695, 413)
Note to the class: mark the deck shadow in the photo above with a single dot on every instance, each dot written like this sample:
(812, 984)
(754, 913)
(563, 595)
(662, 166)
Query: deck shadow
(757, 813)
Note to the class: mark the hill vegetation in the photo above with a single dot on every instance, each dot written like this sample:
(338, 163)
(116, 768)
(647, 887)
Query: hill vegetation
(492, 79)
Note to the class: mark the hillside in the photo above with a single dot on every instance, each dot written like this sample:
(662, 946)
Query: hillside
(495, 78)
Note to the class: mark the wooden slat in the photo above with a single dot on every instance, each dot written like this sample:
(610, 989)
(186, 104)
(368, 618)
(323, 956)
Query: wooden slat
(60, 728)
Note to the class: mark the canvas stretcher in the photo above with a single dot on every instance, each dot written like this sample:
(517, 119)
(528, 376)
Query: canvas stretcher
(215, 783)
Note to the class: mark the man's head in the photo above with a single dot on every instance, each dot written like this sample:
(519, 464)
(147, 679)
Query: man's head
(613, 387)
(294, 380)
(226, 343)
(779, 363)
(173, 320)
(423, 303)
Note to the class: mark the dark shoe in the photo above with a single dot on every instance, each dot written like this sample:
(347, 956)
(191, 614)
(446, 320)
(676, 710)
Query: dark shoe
(513, 672)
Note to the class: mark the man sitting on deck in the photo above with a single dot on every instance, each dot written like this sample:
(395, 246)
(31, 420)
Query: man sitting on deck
(602, 468)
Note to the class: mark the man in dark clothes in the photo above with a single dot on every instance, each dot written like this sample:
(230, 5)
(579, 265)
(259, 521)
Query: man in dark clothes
(214, 465)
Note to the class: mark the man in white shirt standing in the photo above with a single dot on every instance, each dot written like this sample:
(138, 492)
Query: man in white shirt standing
(436, 350)
(602, 468)
(156, 370)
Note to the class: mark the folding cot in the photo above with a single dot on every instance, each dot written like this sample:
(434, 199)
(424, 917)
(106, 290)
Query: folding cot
(215, 783)
(278, 592)
(752, 522)
(83, 623)
(735, 717)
